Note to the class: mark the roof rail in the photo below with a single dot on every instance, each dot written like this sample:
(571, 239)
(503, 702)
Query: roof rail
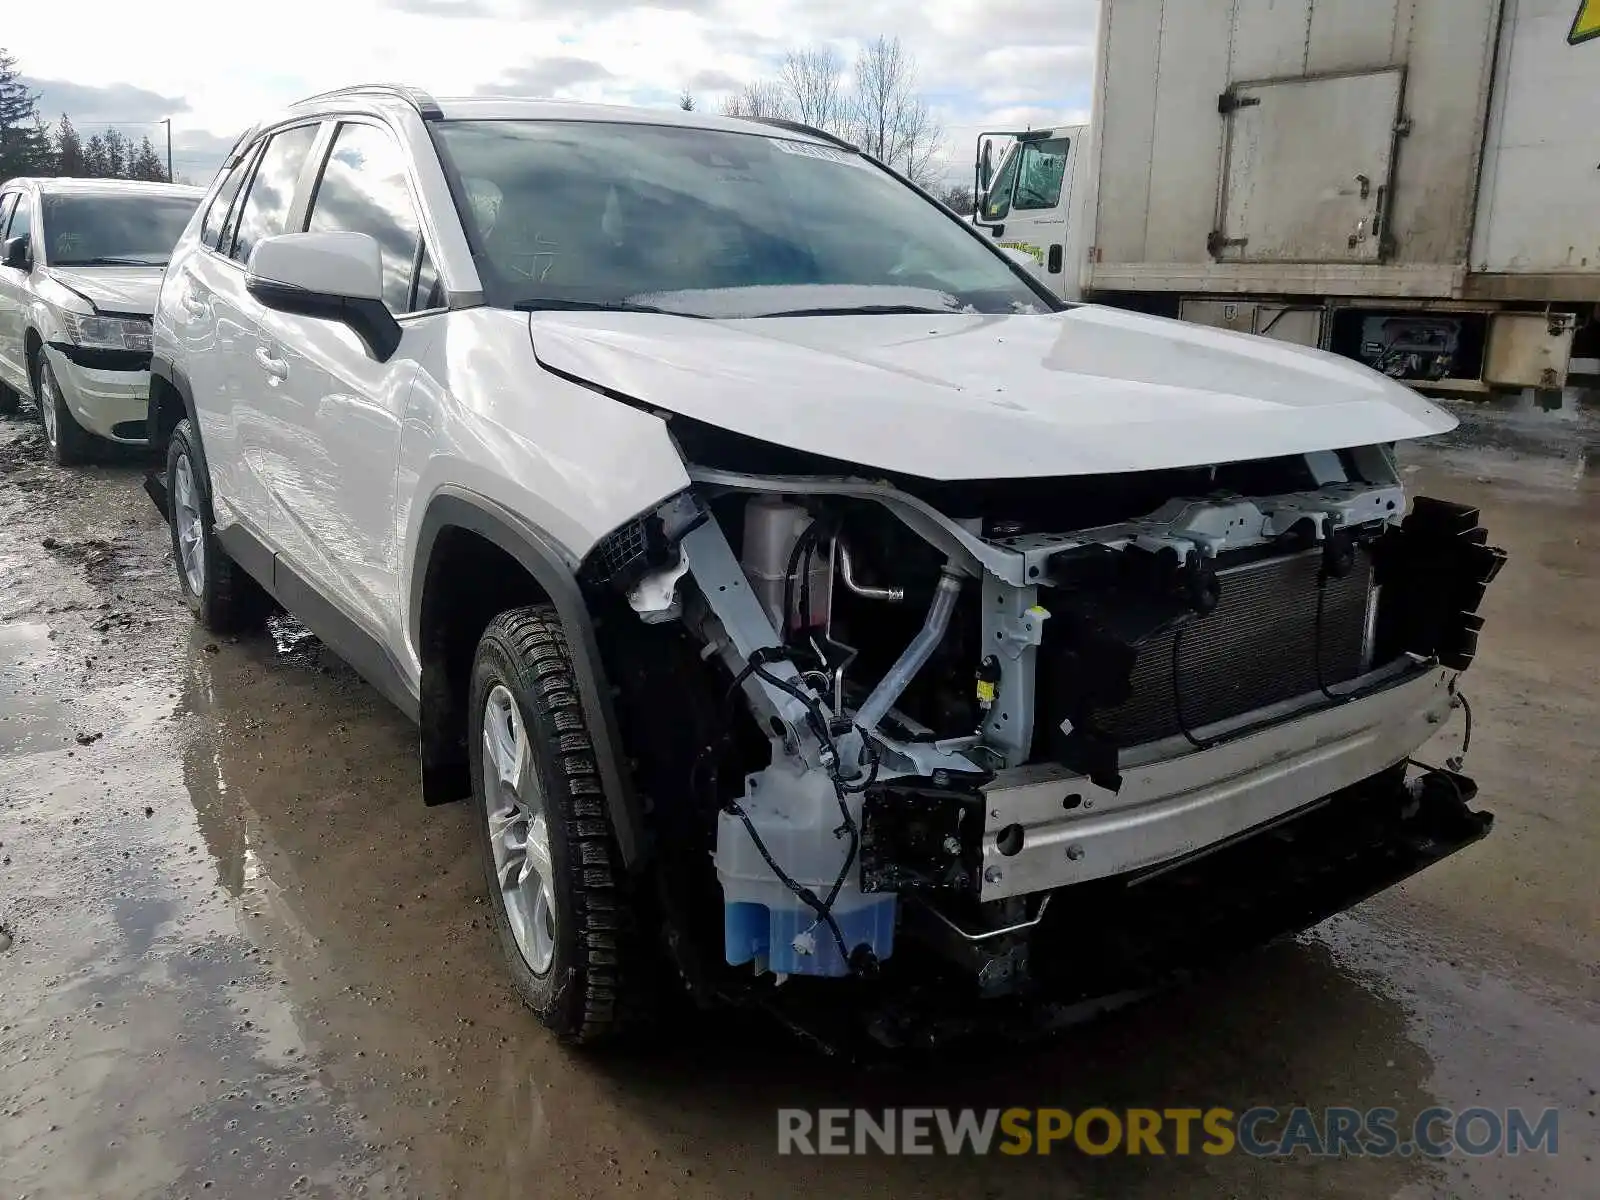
(810, 130)
(427, 107)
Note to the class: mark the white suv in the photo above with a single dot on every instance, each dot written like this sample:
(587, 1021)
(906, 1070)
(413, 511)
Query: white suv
(811, 605)
(80, 264)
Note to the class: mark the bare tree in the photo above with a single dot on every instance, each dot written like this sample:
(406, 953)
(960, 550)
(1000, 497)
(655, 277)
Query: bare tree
(686, 100)
(763, 98)
(882, 87)
(890, 120)
(875, 105)
(921, 139)
(813, 83)
(958, 196)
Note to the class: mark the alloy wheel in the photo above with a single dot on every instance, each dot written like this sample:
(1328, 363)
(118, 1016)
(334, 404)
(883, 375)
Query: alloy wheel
(518, 833)
(191, 531)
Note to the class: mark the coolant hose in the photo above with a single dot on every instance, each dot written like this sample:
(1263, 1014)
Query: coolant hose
(916, 655)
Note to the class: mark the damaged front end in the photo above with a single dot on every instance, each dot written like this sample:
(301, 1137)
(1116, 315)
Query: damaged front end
(1041, 738)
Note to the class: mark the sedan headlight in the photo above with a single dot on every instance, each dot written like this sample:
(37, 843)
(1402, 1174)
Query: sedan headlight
(108, 333)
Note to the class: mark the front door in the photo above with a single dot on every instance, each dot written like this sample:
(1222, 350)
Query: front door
(336, 437)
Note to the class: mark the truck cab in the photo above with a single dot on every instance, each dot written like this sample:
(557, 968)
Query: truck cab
(1025, 185)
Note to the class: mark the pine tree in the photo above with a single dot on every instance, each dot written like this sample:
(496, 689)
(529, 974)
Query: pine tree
(147, 163)
(94, 158)
(69, 150)
(24, 150)
(45, 141)
(116, 154)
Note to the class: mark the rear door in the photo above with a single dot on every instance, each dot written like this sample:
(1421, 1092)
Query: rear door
(333, 437)
(13, 297)
(187, 313)
(1307, 168)
(240, 396)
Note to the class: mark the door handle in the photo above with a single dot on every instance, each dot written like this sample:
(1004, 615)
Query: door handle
(276, 367)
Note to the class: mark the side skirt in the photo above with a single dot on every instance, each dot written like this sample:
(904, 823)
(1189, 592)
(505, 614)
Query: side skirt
(341, 634)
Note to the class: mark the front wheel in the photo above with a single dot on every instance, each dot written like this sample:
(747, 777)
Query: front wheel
(69, 443)
(219, 593)
(561, 900)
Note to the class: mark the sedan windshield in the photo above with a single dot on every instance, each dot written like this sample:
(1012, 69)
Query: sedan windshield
(706, 223)
(127, 229)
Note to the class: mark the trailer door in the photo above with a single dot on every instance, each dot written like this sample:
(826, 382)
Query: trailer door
(1307, 164)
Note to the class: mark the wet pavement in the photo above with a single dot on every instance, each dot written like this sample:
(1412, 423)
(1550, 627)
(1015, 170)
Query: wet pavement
(241, 959)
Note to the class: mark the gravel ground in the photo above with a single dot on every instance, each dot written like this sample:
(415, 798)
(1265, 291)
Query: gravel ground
(240, 958)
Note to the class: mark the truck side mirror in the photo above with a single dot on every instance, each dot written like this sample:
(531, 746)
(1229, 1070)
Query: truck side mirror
(986, 166)
(16, 255)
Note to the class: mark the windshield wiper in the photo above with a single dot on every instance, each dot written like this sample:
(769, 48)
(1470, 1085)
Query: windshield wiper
(864, 310)
(116, 260)
(565, 304)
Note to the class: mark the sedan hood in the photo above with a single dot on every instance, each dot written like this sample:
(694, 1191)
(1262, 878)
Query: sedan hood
(1088, 391)
(130, 290)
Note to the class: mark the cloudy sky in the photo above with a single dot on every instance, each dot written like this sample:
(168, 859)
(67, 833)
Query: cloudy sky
(982, 64)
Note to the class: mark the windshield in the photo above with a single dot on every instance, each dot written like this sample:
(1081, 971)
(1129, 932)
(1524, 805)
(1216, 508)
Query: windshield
(127, 229)
(709, 224)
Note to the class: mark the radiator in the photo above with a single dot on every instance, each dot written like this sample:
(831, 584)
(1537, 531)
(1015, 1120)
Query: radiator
(1260, 646)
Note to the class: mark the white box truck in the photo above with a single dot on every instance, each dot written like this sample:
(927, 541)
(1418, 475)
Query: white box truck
(1411, 183)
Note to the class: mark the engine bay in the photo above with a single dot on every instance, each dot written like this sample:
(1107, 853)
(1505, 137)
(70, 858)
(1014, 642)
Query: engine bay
(906, 670)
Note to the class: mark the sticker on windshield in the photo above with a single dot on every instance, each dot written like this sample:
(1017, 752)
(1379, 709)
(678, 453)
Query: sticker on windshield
(812, 150)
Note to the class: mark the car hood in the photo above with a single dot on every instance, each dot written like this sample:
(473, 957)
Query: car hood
(1087, 391)
(113, 289)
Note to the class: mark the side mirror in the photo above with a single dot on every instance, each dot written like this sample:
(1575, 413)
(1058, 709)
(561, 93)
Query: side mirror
(330, 276)
(986, 167)
(16, 254)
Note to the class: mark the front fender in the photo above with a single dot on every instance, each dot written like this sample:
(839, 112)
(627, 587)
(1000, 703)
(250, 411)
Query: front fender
(546, 563)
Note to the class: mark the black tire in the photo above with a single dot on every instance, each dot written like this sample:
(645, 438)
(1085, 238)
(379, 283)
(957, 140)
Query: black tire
(228, 600)
(68, 442)
(10, 400)
(593, 990)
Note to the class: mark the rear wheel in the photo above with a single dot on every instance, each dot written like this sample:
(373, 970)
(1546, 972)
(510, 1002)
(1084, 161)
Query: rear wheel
(217, 590)
(561, 900)
(69, 443)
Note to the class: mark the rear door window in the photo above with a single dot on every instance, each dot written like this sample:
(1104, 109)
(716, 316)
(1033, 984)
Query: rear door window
(216, 221)
(271, 196)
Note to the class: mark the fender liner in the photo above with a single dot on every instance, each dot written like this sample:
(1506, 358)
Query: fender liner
(540, 556)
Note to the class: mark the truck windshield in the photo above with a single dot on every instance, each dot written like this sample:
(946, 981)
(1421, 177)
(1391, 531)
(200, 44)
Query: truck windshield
(127, 229)
(1039, 179)
(707, 223)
